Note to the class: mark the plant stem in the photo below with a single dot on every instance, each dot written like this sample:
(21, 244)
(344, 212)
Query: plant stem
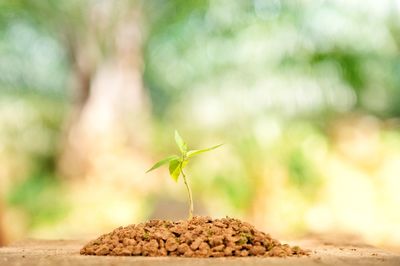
(190, 195)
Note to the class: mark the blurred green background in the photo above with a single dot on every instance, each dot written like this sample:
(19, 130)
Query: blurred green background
(304, 94)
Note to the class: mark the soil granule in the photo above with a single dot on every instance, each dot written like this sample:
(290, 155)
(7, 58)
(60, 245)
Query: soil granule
(198, 237)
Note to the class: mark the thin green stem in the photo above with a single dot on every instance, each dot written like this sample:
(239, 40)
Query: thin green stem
(190, 195)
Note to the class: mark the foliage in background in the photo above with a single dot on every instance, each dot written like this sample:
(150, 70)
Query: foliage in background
(29, 132)
(252, 69)
(272, 78)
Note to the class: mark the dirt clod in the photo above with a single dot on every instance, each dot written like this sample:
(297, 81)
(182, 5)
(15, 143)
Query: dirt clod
(198, 237)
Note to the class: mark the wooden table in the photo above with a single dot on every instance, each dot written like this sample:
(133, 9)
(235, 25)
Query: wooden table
(66, 252)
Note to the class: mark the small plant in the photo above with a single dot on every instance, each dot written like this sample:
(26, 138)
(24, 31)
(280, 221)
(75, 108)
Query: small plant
(177, 163)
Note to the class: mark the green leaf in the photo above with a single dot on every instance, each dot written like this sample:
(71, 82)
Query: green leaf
(181, 144)
(162, 162)
(196, 152)
(184, 163)
(175, 169)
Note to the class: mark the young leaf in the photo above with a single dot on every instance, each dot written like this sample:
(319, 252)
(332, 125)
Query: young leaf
(162, 162)
(184, 163)
(196, 152)
(175, 169)
(181, 144)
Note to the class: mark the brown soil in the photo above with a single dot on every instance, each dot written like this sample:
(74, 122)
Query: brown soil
(198, 237)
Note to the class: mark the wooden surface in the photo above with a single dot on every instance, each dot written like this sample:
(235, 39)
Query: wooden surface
(66, 252)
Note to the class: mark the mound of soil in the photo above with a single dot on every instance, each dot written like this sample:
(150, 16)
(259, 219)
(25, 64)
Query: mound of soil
(198, 237)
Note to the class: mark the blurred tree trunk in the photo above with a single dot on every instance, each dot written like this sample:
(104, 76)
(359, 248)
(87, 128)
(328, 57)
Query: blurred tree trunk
(104, 150)
(110, 107)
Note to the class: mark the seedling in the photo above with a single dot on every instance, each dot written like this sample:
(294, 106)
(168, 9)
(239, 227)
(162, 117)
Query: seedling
(177, 163)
